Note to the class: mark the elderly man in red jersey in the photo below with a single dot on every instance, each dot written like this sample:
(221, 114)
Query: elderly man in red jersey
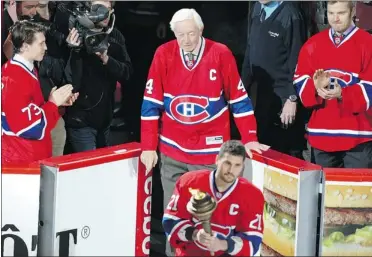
(191, 85)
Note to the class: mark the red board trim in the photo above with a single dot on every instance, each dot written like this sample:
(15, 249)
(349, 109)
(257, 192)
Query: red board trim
(94, 157)
(17, 169)
(346, 175)
(284, 162)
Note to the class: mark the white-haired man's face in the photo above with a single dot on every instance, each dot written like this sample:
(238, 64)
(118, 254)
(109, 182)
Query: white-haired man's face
(188, 34)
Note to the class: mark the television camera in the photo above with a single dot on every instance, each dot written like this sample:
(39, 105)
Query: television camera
(86, 18)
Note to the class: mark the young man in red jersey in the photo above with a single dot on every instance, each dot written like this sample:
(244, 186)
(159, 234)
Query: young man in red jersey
(334, 79)
(236, 223)
(26, 120)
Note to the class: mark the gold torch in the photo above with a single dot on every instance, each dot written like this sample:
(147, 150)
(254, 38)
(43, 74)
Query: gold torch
(201, 206)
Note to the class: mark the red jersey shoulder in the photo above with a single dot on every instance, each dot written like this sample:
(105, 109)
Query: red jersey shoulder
(14, 74)
(169, 48)
(216, 47)
(245, 187)
(364, 38)
(316, 39)
(192, 178)
(16, 71)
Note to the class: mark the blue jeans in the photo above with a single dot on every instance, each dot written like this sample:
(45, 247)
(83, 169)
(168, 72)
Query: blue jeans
(85, 139)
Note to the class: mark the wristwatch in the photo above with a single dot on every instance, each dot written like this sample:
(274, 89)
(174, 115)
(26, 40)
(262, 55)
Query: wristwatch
(292, 98)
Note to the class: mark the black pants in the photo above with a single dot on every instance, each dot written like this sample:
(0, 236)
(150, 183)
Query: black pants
(357, 157)
(270, 130)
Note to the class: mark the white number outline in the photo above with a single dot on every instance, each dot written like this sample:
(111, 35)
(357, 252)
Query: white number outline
(241, 86)
(172, 205)
(36, 110)
(149, 86)
(258, 221)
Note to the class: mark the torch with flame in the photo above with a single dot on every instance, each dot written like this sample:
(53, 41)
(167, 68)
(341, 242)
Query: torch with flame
(202, 206)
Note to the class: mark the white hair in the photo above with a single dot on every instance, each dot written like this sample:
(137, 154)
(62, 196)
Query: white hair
(186, 14)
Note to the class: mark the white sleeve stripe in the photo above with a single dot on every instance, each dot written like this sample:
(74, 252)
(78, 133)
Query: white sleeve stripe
(179, 224)
(254, 233)
(153, 100)
(366, 82)
(238, 246)
(150, 118)
(303, 77)
(37, 122)
(169, 216)
(238, 115)
(251, 249)
(365, 95)
(182, 233)
(303, 87)
(238, 99)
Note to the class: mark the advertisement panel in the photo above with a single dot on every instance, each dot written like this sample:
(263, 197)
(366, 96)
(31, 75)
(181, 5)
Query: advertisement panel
(95, 204)
(291, 191)
(20, 208)
(347, 213)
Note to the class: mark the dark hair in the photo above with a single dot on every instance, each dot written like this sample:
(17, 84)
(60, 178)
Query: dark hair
(232, 147)
(24, 32)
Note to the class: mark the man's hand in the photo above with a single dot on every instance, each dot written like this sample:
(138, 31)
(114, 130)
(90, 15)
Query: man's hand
(149, 159)
(321, 79)
(71, 100)
(257, 147)
(288, 114)
(103, 56)
(211, 242)
(61, 95)
(73, 38)
(329, 94)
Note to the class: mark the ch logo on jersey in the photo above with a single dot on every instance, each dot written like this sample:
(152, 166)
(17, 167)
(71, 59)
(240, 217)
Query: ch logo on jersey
(189, 109)
(343, 78)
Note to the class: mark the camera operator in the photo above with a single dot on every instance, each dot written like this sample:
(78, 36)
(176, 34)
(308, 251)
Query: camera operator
(94, 74)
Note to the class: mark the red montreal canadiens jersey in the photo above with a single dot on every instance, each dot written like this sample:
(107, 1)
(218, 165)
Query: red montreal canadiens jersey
(238, 216)
(338, 125)
(25, 120)
(192, 103)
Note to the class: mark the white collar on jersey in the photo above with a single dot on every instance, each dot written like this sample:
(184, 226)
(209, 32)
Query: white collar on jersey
(226, 193)
(350, 32)
(196, 51)
(199, 50)
(20, 59)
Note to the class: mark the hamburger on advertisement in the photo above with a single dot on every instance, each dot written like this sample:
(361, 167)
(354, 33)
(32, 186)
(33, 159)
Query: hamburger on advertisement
(280, 192)
(347, 219)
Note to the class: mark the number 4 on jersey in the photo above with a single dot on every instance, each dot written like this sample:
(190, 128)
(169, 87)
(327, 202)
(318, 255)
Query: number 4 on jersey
(149, 86)
(241, 86)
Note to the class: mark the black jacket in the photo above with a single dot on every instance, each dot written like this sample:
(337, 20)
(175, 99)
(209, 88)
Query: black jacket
(272, 50)
(96, 83)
